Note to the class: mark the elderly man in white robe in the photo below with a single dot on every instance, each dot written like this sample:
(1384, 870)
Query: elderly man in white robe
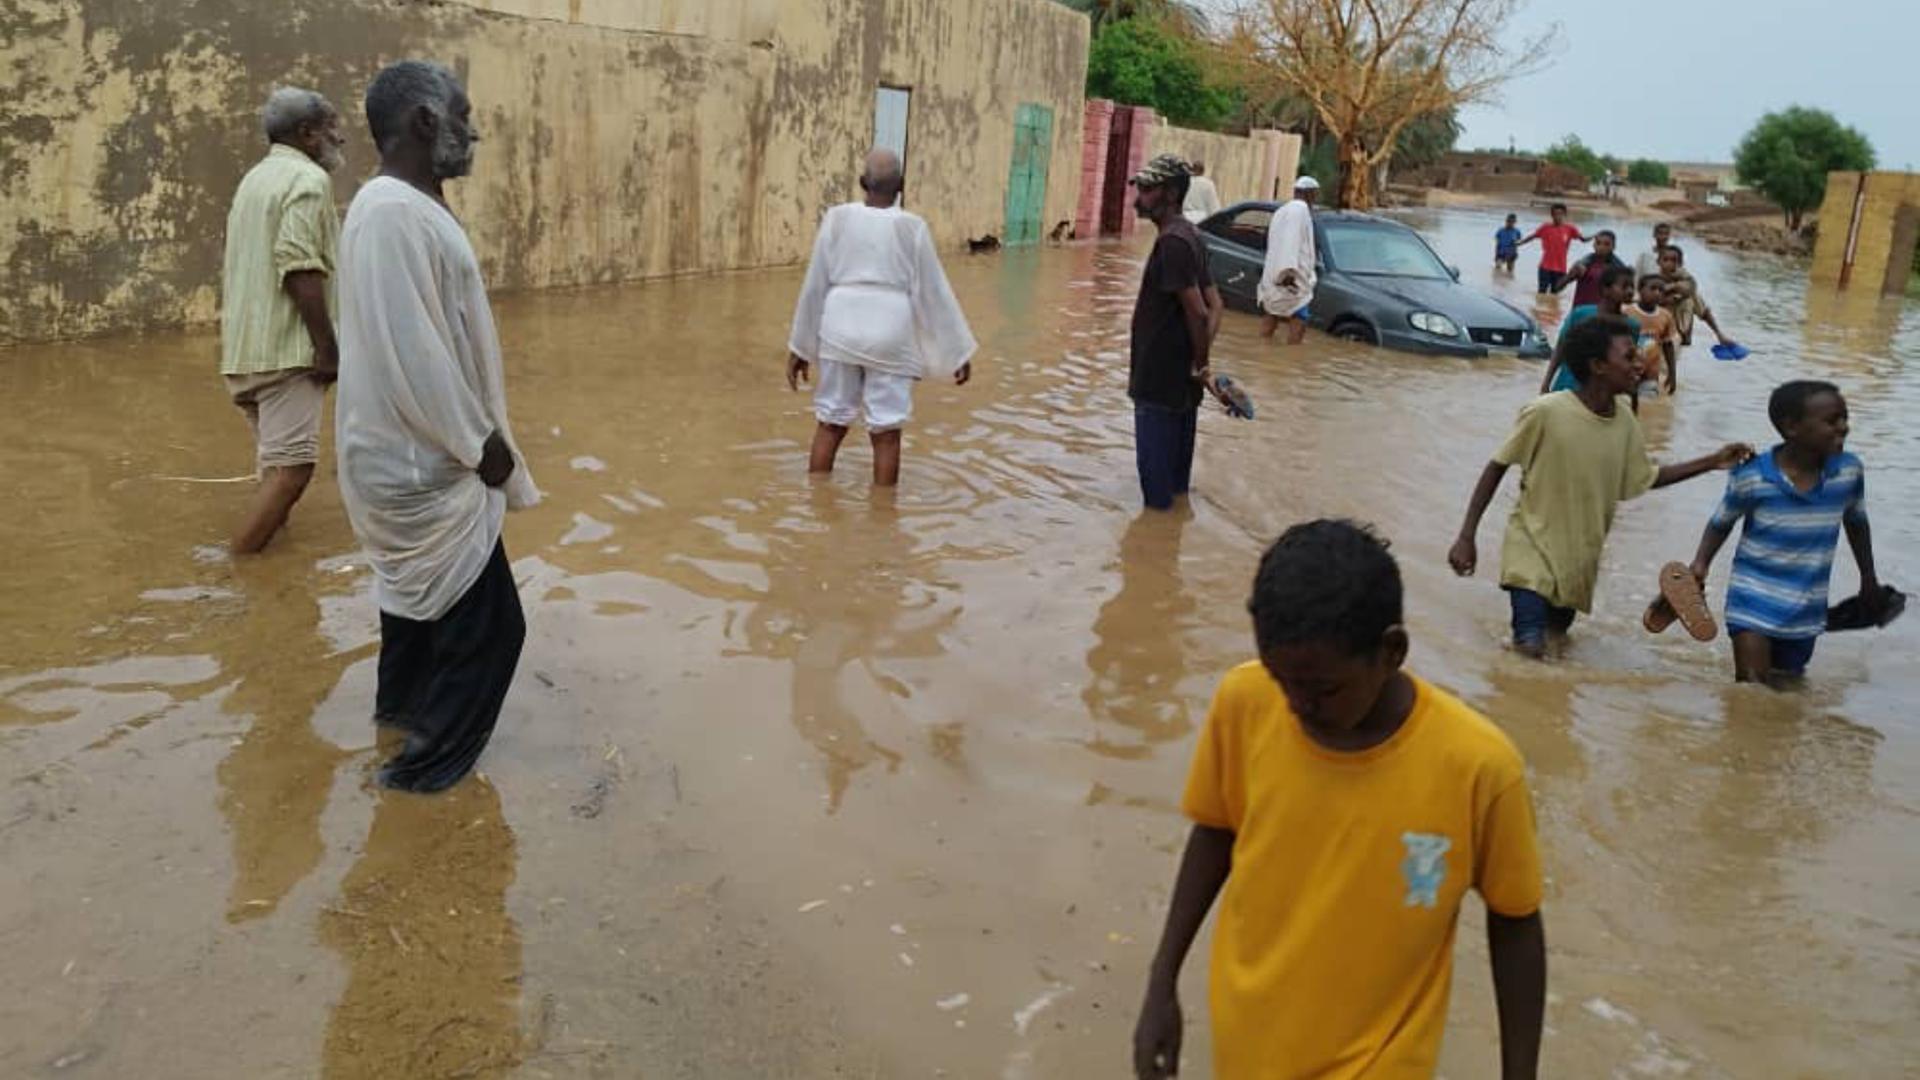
(1203, 199)
(1286, 282)
(427, 462)
(875, 315)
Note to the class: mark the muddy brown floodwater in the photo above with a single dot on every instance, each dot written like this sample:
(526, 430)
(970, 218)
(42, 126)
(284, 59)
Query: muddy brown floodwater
(799, 782)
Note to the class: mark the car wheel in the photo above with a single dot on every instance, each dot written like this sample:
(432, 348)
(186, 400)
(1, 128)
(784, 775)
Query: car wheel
(1355, 330)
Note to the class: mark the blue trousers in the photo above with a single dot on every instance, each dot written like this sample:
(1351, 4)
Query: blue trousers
(1533, 616)
(1163, 450)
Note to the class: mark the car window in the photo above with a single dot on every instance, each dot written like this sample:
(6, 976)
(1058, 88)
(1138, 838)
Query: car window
(1248, 228)
(1378, 249)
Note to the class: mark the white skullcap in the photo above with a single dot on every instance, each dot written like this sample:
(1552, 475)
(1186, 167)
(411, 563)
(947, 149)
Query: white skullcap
(1306, 183)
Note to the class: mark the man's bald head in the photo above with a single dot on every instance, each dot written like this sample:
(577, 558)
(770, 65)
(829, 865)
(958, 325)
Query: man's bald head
(882, 177)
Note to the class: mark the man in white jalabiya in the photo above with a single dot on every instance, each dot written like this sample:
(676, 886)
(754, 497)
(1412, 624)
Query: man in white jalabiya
(428, 466)
(1286, 284)
(875, 314)
(1203, 199)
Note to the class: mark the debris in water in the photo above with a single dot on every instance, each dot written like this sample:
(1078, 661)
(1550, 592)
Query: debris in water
(1610, 1012)
(898, 929)
(812, 905)
(907, 960)
(957, 1001)
(1034, 1008)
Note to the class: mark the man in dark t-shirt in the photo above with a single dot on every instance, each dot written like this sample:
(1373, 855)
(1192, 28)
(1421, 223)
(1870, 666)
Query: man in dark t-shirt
(1174, 321)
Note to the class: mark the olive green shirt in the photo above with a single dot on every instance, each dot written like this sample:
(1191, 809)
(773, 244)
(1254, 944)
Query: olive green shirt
(282, 220)
(1576, 466)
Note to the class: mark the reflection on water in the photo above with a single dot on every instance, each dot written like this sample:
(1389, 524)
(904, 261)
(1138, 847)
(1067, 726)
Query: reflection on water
(433, 957)
(960, 715)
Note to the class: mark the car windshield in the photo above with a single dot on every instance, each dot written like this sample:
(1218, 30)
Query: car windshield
(1382, 249)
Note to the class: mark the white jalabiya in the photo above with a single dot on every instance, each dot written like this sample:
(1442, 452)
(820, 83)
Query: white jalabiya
(420, 390)
(876, 296)
(1289, 247)
(1203, 200)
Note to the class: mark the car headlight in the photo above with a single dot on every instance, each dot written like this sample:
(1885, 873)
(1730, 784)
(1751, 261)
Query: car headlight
(1434, 323)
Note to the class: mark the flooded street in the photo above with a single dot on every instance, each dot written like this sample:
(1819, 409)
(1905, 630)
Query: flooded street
(798, 781)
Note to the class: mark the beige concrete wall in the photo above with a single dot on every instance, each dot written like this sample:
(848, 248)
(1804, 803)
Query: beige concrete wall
(1234, 162)
(623, 139)
(1886, 194)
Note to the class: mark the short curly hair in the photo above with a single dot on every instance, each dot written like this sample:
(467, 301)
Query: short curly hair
(1327, 581)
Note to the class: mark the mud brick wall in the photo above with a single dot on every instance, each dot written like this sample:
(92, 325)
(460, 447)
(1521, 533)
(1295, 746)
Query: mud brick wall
(1883, 249)
(623, 139)
(1239, 165)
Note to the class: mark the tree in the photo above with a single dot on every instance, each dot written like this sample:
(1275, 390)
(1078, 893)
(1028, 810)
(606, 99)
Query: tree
(1578, 156)
(1788, 155)
(1371, 67)
(1185, 16)
(1646, 172)
(1426, 139)
(1144, 61)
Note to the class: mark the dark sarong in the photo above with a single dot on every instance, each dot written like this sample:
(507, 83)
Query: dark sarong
(442, 682)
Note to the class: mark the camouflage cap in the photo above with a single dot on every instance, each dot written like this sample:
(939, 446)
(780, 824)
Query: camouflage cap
(1164, 168)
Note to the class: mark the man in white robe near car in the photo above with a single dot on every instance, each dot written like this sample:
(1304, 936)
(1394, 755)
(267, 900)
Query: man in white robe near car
(1286, 281)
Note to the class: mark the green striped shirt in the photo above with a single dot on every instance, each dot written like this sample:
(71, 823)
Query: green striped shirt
(282, 220)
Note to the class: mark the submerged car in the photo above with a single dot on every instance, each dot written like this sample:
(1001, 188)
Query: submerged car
(1378, 282)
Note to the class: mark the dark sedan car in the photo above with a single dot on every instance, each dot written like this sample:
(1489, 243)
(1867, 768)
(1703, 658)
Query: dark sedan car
(1378, 282)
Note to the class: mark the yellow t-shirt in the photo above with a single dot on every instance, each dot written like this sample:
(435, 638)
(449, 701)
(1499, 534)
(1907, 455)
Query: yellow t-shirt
(1333, 953)
(1575, 467)
(282, 220)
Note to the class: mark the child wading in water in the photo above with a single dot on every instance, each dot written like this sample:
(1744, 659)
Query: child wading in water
(1506, 244)
(1346, 807)
(1793, 502)
(1616, 289)
(1580, 454)
(1659, 368)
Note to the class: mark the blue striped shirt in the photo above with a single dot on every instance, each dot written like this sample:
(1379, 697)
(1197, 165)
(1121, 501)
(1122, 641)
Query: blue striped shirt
(1780, 572)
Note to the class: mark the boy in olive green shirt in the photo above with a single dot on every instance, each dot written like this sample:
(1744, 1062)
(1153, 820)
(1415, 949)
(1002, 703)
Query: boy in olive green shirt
(1580, 453)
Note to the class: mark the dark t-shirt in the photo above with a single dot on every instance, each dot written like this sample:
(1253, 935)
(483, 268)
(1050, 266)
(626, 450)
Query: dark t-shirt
(1161, 372)
(1586, 287)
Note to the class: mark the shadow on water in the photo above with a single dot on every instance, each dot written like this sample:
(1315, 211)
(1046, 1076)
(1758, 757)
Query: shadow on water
(433, 958)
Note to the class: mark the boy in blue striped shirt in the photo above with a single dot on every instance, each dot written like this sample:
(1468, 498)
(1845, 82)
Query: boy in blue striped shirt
(1794, 500)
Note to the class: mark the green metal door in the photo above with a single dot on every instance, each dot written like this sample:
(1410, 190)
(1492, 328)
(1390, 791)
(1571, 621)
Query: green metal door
(1027, 180)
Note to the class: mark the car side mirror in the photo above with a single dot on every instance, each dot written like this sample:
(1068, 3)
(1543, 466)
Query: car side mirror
(1455, 271)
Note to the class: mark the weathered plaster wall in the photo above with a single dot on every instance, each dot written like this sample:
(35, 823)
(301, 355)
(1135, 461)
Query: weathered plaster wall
(1234, 162)
(1892, 200)
(623, 139)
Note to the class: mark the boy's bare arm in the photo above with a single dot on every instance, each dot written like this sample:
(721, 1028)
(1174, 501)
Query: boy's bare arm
(1518, 949)
(1860, 539)
(1203, 870)
(1724, 458)
(1466, 554)
(1672, 356)
(1712, 539)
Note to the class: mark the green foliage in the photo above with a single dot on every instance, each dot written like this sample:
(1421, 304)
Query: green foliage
(1578, 156)
(1321, 160)
(1426, 139)
(1645, 172)
(1143, 61)
(1788, 155)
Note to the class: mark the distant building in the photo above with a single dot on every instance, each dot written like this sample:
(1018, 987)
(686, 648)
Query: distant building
(1491, 173)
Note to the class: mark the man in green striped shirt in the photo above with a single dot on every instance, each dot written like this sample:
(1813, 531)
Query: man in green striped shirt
(276, 326)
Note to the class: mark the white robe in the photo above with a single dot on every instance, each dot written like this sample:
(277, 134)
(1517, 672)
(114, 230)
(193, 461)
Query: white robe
(1203, 200)
(876, 296)
(1289, 247)
(420, 390)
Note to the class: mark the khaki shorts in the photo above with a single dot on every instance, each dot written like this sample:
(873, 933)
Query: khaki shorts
(283, 409)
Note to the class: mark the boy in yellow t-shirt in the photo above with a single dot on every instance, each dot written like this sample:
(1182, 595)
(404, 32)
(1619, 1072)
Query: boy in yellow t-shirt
(1580, 455)
(1346, 807)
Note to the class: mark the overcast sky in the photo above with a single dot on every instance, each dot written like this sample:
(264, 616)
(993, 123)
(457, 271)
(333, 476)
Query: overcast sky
(1683, 80)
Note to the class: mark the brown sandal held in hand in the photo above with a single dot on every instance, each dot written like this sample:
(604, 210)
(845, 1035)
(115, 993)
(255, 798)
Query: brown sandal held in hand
(1682, 592)
(1659, 616)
